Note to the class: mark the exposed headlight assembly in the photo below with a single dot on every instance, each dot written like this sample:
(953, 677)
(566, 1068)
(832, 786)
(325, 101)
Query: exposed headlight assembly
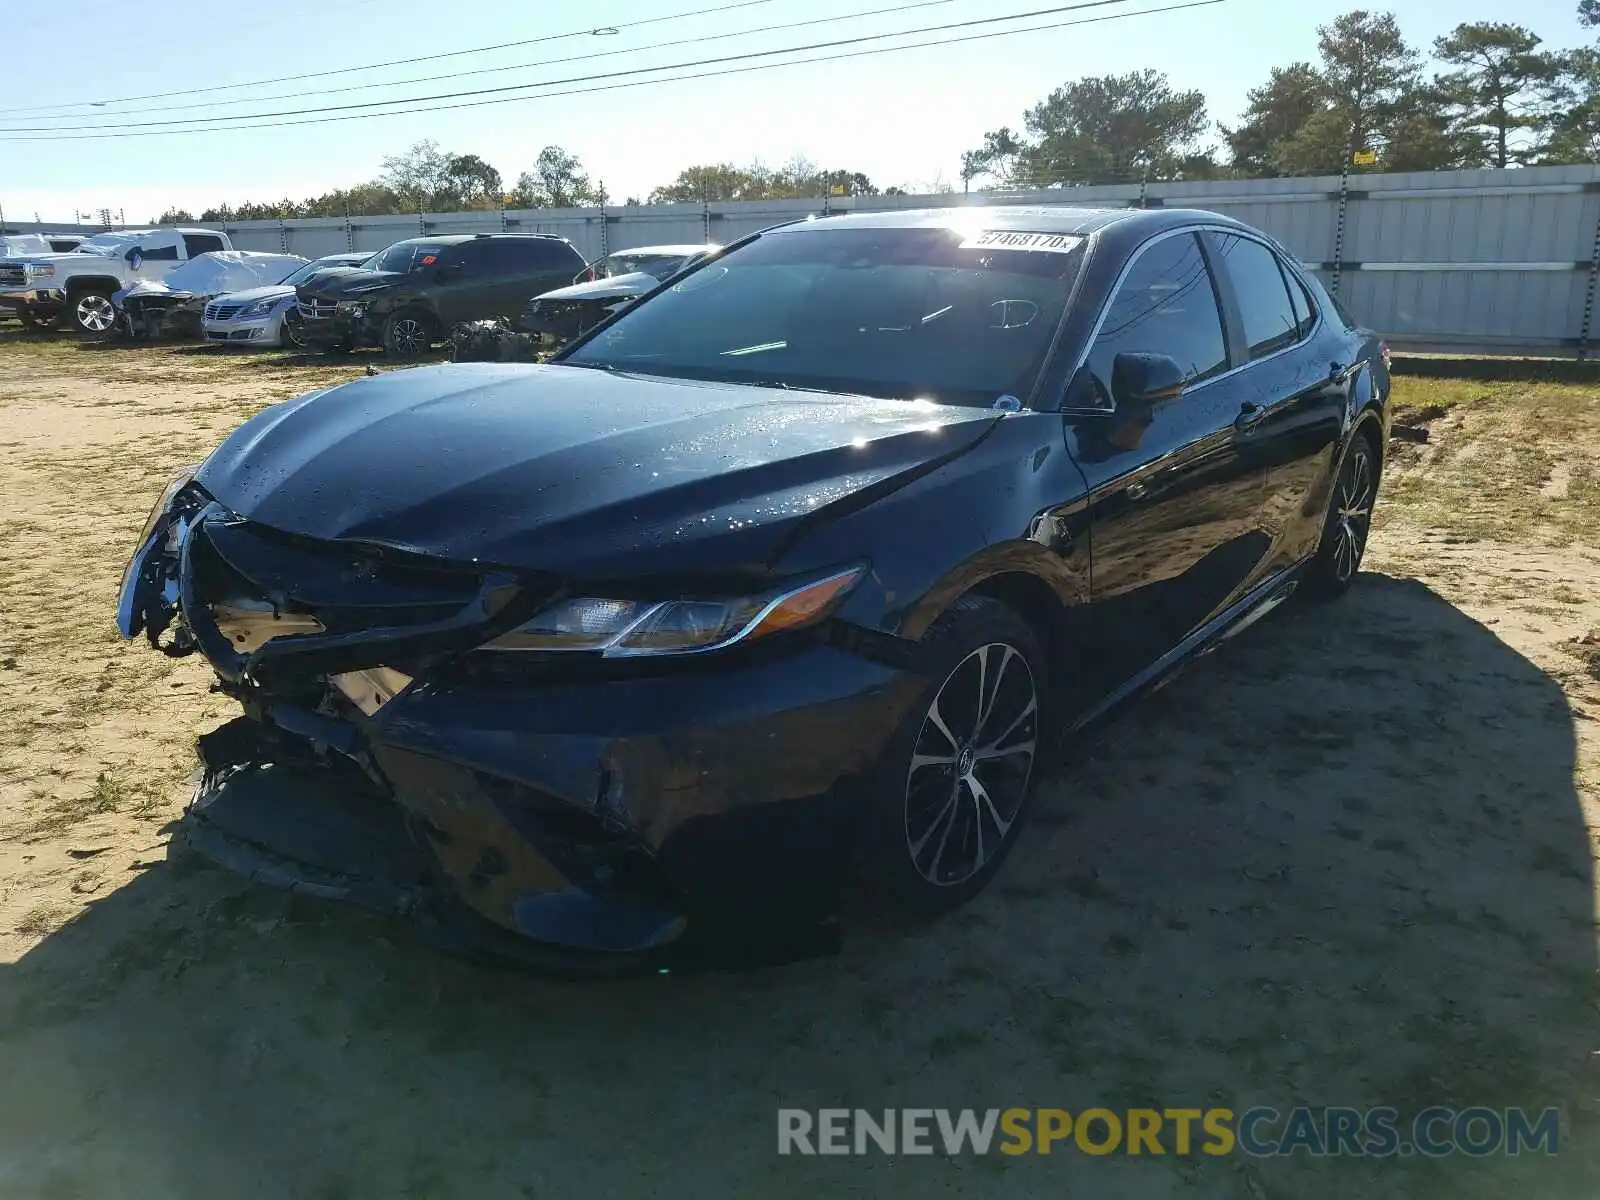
(38, 270)
(641, 628)
(260, 308)
(179, 480)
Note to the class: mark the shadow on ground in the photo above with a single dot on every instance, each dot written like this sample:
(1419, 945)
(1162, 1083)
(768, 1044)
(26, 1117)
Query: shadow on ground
(1341, 862)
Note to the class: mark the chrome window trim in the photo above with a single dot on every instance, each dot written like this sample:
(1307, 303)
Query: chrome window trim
(1288, 261)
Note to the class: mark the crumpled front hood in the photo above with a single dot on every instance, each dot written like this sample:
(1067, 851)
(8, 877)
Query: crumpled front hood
(636, 283)
(576, 470)
(276, 291)
(341, 282)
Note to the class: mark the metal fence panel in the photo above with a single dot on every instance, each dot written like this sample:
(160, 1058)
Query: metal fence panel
(1468, 260)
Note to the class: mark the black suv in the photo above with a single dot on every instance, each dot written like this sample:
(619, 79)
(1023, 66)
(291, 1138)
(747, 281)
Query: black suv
(409, 295)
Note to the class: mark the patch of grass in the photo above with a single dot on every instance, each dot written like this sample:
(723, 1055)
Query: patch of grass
(44, 920)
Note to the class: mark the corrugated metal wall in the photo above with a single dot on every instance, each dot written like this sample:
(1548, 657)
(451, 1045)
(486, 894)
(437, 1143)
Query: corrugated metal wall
(1448, 260)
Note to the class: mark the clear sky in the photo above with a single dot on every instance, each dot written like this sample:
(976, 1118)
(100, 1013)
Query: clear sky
(901, 118)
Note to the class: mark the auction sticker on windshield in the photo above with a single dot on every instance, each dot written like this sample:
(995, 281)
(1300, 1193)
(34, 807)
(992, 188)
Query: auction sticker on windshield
(1022, 239)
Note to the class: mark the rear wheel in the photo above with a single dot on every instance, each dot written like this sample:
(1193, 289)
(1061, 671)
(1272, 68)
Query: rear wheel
(407, 334)
(92, 311)
(948, 798)
(1349, 520)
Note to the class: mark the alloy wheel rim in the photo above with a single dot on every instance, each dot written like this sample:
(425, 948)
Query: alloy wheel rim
(971, 765)
(1352, 516)
(95, 313)
(409, 336)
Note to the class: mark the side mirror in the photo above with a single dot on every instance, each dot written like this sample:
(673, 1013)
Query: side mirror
(133, 255)
(1144, 380)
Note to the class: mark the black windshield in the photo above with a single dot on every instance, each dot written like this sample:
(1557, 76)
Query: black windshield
(405, 256)
(901, 312)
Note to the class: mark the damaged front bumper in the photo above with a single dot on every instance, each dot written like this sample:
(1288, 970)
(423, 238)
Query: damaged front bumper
(559, 813)
(349, 327)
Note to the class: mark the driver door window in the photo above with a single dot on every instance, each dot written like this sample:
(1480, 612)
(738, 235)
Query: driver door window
(1166, 304)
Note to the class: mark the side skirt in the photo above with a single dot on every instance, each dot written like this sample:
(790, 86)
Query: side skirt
(1231, 622)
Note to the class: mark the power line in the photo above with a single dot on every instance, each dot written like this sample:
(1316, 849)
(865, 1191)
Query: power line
(519, 87)
(972, 37)
(358, 87)
(593, 31)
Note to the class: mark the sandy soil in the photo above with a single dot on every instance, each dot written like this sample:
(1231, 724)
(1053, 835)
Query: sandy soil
(1347, 860)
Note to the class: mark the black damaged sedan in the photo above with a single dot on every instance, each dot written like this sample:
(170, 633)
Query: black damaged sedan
(805, 562)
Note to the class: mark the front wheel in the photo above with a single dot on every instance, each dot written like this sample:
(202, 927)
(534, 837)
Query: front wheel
(947, 800)
(292, 331)
(1349, 520)
(407, 334)
(93, 312)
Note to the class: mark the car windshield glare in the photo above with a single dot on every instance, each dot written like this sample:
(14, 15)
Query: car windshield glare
(910, 313)
(300, 274)
(403, 257)
(658, 265)
(103, 245)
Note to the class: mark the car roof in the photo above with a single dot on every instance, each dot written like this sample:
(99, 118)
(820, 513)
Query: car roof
(455, 239)
(1066, 219)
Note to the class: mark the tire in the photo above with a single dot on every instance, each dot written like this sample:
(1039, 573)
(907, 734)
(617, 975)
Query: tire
(407, 333)
(91, 311)
(1349, 521)
(291, 331)
(34, 322)
(929, 842)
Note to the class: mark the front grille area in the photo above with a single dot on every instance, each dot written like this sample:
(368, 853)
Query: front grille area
(12, 275)
(316, 308)
(222, 312)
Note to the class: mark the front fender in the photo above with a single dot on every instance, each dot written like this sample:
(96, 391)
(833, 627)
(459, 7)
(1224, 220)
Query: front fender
(1012, 503)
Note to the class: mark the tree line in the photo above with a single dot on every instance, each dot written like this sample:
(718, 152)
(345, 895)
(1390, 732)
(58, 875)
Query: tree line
(1493, 98)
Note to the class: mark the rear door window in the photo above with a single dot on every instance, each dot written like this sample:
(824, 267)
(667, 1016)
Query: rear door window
(529, 256)
(1265, 307)
(196, 244)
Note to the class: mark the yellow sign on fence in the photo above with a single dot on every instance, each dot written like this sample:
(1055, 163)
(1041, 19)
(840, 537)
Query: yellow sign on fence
(1364, 158)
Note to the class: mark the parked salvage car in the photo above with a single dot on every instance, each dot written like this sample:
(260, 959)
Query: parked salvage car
(43, 288)
(604, 287)
(268, 316)
(806, 560)
(409, 296)
(173, 307)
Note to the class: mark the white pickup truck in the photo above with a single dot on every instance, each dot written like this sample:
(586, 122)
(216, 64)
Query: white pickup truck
(41, 288)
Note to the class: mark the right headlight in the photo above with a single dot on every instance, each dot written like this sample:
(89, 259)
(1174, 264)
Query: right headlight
(639, 628)
(38, 270)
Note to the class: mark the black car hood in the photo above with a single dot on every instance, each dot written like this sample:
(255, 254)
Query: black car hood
(571, 469)
(340, 282)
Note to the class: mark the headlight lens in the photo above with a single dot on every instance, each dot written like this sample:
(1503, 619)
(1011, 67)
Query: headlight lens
(38, 270)
(179, 480)
(259, 309)
(639, 628)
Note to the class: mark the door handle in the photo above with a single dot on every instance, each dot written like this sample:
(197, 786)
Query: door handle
(1249, 414)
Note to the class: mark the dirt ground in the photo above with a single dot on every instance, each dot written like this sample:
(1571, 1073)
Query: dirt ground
(1347, 860)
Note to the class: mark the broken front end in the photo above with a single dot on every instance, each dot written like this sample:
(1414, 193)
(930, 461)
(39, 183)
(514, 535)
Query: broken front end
(163, 315)
(569, 812)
